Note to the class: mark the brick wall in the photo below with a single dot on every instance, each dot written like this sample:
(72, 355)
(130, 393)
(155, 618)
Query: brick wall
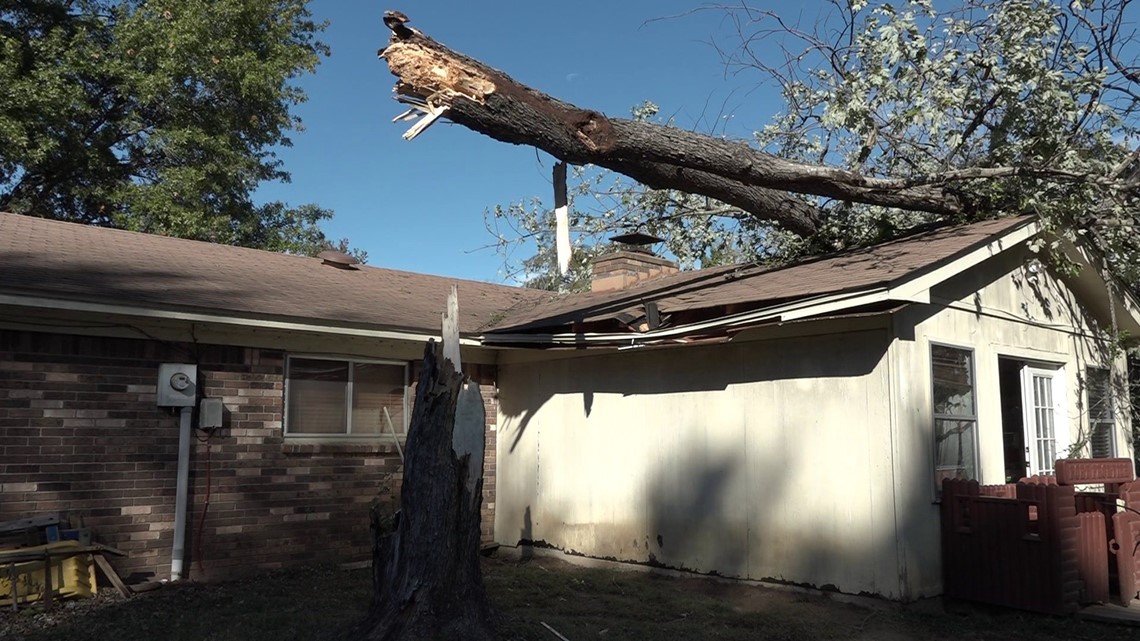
(80, 433)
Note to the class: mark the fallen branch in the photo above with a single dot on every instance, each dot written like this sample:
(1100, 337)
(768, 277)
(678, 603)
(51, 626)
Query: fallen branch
(553, 631)
(488, 101)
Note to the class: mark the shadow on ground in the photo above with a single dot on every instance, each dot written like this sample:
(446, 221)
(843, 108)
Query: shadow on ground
(580, 603)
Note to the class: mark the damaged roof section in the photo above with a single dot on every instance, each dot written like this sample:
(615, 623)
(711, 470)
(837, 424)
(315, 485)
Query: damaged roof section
(715, 302)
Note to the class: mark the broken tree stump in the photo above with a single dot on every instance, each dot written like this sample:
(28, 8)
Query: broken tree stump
(427, 583)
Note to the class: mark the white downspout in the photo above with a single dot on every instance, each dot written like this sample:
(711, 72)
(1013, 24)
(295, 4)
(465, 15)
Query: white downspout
(185, 433)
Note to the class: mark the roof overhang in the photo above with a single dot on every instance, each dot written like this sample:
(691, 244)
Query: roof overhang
(1111, 302)
(218, 319)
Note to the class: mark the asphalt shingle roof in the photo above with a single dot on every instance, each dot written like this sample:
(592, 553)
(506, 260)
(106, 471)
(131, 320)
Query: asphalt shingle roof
(882, 264)
(55, 259)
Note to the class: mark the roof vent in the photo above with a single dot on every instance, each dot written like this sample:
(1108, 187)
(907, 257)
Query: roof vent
(340, 260)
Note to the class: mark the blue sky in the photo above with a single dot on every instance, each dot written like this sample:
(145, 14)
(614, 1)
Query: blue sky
(419, 205)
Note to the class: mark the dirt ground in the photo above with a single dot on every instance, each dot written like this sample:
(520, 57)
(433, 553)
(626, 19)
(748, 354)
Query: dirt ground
(607, 604)
(604, 604)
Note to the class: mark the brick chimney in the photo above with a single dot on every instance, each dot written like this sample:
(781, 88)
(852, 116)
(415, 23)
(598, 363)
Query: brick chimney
(622, 268)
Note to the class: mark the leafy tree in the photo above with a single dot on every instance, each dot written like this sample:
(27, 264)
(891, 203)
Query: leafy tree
(900, 113)
(156, 116)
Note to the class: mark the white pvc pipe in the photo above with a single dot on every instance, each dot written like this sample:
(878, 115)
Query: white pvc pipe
(178, 554)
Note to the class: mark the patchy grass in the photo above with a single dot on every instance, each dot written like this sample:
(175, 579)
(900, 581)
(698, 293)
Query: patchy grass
(281, 606)
(596, 604)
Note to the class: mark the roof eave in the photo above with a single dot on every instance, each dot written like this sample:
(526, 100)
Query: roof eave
(1094, 279)
(222, 318)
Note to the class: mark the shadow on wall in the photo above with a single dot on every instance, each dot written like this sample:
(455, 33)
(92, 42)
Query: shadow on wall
(669, 370)
(701, 509)
(786, 478)
(1047, 298)
(730, 514)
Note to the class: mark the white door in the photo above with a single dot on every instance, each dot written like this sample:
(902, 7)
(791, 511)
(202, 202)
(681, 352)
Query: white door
(1046, 433)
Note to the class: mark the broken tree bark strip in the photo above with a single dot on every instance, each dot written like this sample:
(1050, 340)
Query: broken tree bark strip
(490, 102)
(553, 631)
(561, 218)
(450, 324)
(468, 438)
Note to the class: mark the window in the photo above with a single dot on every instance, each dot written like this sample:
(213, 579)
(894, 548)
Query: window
(955, 413)
(1101, 418)
(328, 397)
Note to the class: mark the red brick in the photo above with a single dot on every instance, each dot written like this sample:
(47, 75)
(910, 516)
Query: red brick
(95, 444)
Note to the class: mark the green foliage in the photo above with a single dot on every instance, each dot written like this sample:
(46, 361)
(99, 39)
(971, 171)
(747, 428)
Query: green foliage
(156, 116)
(1015, 106)
(918, 92)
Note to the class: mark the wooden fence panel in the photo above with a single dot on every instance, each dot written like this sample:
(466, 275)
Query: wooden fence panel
(1092, 557)
(1125, 546)
(1017, 552)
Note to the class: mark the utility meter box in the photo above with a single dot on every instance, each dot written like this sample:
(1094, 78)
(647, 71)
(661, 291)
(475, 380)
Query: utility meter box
(211, 414)
(177, 385)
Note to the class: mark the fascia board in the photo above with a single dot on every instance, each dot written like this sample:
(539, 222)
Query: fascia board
(836, 303)
(218, 319)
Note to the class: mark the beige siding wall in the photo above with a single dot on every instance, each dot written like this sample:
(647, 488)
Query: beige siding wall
(763, 459)
(1001, 309)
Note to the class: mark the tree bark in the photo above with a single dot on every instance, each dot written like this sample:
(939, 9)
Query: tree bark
(427, 582)
(488, 101)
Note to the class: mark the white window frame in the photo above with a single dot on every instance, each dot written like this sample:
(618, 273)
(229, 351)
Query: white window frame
(347, 435)
(1111, 401)
(935, 416)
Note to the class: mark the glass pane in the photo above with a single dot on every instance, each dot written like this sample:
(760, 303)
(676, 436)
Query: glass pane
(316, 390)
(376, 387)
(952, 370)
(1044, 419)
(1047, 455)
(1044, 393)
(955, 449)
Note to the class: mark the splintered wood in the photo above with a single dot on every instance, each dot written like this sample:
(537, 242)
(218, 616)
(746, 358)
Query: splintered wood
(429, 81)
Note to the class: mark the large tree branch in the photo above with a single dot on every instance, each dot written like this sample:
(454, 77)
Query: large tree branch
(483, 99)
(487, 101)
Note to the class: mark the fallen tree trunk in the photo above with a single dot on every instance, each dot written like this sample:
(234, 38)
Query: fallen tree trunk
(488, 101)
(485, 100)
(427, 583)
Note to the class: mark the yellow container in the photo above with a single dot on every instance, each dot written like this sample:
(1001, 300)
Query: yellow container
(71, 576)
